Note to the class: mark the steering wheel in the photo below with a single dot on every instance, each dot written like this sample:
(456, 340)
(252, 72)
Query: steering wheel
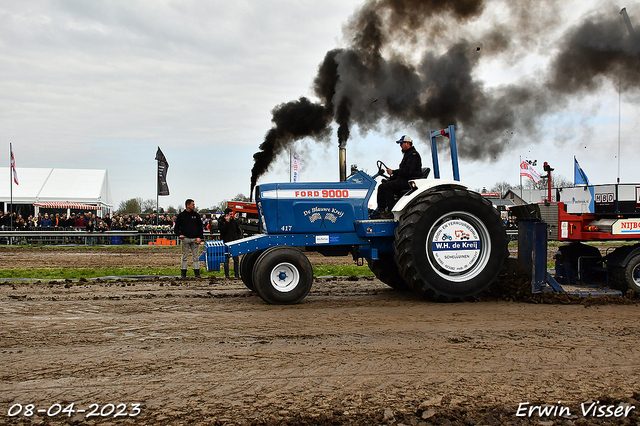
(382, 169)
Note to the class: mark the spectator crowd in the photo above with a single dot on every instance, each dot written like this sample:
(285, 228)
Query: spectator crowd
(90, 222)
(83, 221)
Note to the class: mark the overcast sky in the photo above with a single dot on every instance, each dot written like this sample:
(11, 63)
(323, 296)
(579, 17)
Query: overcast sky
(102, 84)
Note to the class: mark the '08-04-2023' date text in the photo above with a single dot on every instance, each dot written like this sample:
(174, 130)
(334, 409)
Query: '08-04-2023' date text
(69, 410)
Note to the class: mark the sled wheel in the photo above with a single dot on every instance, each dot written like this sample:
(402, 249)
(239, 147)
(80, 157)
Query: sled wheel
(386, 270)
(450, 244)
(246, 268)
(629, 276)
(282, 276)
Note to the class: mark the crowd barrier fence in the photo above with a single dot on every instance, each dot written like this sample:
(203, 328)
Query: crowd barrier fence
(51, 236)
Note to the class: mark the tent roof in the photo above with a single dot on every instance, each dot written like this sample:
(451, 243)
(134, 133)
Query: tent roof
(61, 185)
(64, 183)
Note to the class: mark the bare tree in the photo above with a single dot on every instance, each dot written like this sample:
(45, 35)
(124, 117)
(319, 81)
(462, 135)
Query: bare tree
(501, 187)
(559, 181)
(223, 204)
(148, 205)
(220, 206)
(241, 197)
(530, 184)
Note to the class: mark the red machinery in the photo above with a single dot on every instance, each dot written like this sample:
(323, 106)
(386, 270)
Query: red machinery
(588, 214)
(247, 213)
(243, 207)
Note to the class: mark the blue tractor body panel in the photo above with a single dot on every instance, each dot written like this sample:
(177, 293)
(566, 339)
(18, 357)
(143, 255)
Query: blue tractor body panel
(314, 207)
(367, 238)
(312, 214)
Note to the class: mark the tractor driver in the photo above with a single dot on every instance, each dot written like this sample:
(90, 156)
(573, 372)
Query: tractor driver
(410, 168)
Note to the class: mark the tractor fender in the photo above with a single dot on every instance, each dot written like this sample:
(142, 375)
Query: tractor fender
(422, 186)
(620, 257)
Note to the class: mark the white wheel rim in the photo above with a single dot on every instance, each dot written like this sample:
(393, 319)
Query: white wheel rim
(635, 275)
(458, 246)
(284, 277)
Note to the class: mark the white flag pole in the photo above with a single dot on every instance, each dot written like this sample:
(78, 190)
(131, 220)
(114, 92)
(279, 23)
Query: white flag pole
(520, 173)
(11, 183)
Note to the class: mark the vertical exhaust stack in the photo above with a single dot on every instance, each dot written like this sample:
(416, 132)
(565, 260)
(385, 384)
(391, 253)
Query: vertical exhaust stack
(632, 33)
(627, 21)
(342, 160)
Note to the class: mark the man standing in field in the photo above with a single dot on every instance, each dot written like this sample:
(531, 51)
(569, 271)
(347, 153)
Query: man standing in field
(229, 231)
(188, 228)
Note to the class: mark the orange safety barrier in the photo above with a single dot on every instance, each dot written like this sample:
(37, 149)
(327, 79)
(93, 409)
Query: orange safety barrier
(162, 242)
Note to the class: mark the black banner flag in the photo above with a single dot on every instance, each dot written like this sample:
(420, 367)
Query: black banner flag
(163, 166)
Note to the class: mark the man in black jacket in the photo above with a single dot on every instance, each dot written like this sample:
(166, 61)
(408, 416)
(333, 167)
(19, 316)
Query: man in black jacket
(410, 168)
(188, 228)
(229, 231)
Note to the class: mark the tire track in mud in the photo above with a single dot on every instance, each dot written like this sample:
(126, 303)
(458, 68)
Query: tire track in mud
(352, 347)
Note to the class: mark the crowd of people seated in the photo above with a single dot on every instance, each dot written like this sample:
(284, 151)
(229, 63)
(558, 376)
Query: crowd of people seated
(82, 221)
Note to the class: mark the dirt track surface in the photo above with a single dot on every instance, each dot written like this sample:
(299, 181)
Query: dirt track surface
(81, 257)
(354, 352)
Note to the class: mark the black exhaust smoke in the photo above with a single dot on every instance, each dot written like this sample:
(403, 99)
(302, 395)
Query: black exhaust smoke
(293, 120)
(377, 79)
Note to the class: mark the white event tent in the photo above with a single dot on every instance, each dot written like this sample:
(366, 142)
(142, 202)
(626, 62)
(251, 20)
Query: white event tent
(84, 189)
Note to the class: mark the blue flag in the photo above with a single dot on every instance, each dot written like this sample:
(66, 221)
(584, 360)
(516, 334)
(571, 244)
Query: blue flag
(579, 176)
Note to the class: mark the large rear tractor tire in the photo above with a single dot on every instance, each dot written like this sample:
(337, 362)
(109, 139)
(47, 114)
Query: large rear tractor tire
(247, 263)
(629, 276)
(282, 276)
(450, 244)
(385, 269)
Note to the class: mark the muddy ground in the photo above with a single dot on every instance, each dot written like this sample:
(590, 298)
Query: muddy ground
(140, 256)
(354, 352)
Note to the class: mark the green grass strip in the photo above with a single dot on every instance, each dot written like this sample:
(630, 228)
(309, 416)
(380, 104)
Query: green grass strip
(76, 273)
(341, 270)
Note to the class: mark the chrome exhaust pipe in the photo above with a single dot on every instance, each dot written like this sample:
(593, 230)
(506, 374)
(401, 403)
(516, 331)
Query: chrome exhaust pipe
(342, 160)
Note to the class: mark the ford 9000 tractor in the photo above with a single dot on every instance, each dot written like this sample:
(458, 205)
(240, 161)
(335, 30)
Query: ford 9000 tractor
(445, 241)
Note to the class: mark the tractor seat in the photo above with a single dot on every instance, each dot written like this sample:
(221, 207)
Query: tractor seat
(424, 175)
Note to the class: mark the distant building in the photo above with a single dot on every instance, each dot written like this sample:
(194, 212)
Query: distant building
(70, 189)
(525, 196)
(499, 203)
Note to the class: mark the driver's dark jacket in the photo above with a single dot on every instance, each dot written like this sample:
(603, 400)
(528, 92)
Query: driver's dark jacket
(410, 166)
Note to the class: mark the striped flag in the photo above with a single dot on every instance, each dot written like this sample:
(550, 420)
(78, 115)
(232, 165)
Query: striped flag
(296, 165)
(527, 170)
(13, 166)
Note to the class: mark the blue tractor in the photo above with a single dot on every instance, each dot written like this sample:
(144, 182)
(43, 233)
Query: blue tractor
(445, 241)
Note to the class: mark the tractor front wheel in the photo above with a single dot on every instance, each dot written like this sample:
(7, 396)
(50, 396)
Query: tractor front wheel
(282, 276)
